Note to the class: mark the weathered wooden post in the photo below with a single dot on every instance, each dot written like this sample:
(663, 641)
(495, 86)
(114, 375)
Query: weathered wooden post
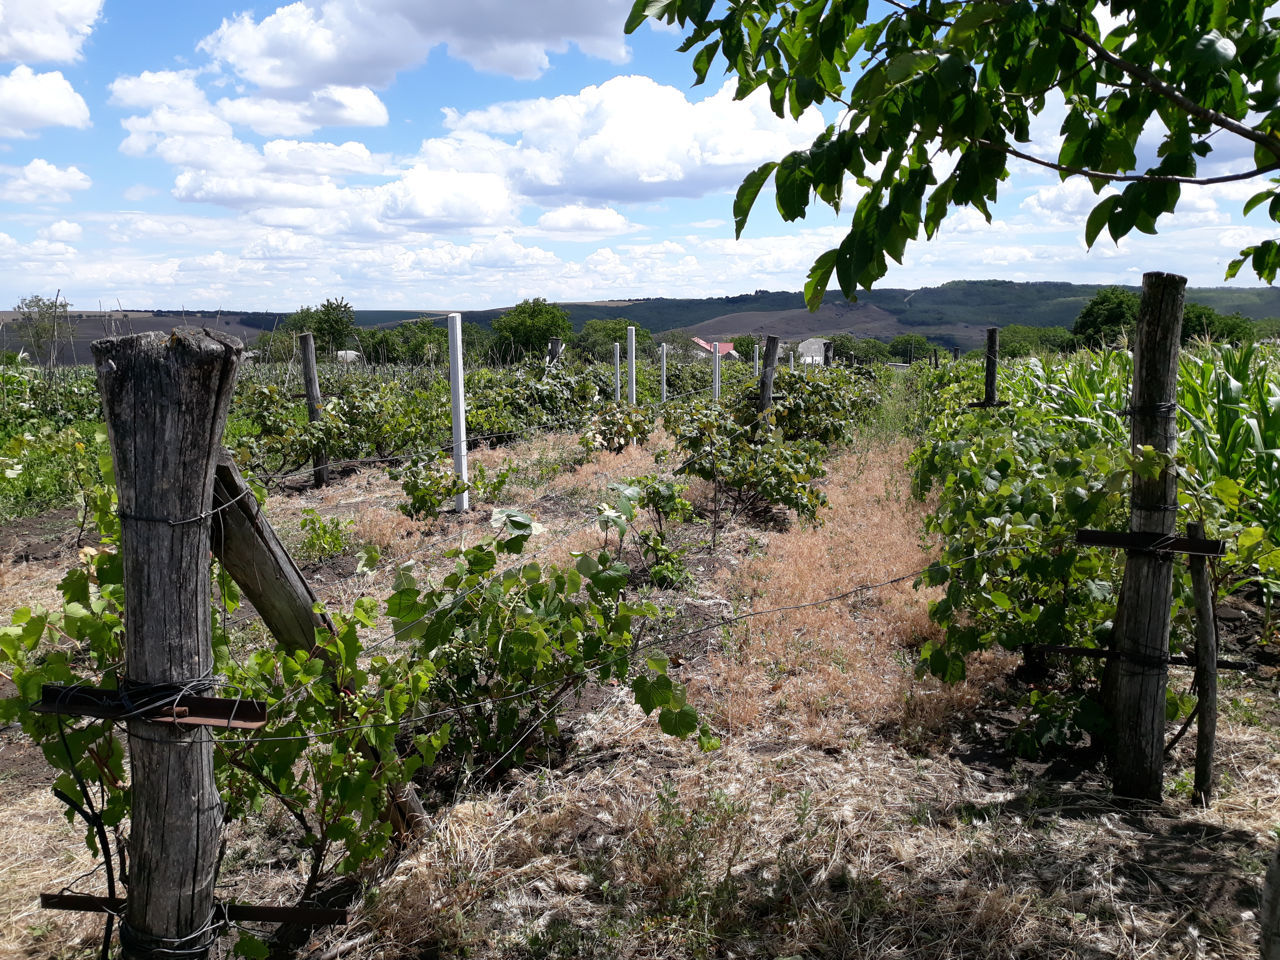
(715, 371)
(911, 354)
(1269, 915)
(935, 358)
(955, 353)
(662, 361)
(1138, 674)
(828, 353)
(247, 547)
(1206, 672)
(766, 380)
(311, 383)
(631, 365)
(993, 355)
(458, 396)
(165, 398)
(617, 373)
(553, 349)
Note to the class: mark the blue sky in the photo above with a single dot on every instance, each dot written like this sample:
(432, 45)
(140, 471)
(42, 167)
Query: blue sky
(412, 154)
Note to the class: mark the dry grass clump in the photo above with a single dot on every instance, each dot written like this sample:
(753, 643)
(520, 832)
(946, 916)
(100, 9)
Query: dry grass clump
(643, 848)
(815, 670)
(42, 853)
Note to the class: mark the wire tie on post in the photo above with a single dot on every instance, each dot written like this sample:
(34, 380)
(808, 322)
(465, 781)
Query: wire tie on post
(1168, 410)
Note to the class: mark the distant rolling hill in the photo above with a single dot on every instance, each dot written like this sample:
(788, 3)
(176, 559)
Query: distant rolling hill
(953, 314)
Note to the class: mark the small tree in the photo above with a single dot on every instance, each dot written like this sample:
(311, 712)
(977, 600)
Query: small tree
(744, 344)
(1202, 322)
(908, 345)
(40, 321)
(1019, 340)
(333, 324)
(1112, 311)
(529, 326)
(596, 338)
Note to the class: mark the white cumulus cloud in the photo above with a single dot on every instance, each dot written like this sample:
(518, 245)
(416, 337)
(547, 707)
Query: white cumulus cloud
(30, 100)
(44, 31)
(41, 182)
(63, 231)
(306, 45)
(331, 106)
(175, 89)
(1065, 204)
(628, 139)
(585, 222)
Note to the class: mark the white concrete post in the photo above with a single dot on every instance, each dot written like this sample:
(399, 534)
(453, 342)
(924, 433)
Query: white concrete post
(617, 373)
(462, 503)
(715, 370)
(664, 373)
(756, 350)
(793, 361)
(631, 365)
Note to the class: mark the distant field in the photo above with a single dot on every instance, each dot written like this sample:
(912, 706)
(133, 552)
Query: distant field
(90, 325)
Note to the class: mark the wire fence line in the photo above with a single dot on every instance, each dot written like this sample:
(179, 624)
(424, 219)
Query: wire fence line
(658, 640)
(577, 420)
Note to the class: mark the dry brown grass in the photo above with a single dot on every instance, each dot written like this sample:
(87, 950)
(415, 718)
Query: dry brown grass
(822, 670)
(42, 853)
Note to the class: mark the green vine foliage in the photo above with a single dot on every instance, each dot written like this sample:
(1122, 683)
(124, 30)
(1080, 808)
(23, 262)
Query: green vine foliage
(474, 669)
(429, 483)
(81, 642)
(1013, 485)
(759, 461)
(616, 426)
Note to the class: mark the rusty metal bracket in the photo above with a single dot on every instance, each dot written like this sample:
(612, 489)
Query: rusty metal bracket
(1151, 543)
(184, 709)
(302, 916)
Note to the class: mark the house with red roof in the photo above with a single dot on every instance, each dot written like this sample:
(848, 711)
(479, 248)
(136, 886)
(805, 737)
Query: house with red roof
(726, 348)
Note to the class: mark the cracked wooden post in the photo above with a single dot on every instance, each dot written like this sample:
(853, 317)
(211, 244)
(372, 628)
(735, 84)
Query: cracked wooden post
(311, 383)
(165, 399)
(1269, 916)
(766, 379)
(1136, 678)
